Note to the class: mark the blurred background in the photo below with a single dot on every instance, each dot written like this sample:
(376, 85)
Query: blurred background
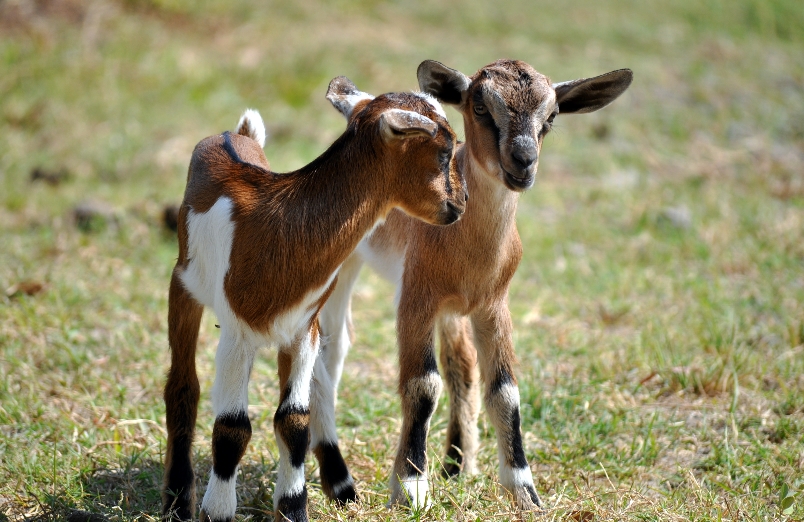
(659, 307)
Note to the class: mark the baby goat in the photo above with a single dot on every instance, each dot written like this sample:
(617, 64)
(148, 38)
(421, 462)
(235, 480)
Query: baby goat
(264, 250)
(448, 275)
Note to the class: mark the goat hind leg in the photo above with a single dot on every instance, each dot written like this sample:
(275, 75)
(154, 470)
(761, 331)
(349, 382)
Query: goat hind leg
(232, 429)
(181, 402)
(292, 424)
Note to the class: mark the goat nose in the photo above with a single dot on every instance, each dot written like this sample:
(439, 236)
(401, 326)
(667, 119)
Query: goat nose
(525, 157)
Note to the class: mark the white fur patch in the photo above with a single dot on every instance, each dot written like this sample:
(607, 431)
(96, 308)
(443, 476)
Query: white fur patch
(251, 125)
(322, 407)
(432, 101)
(334, 319)
(346, 103)
(220, 499)
(289, 480)
(301, 372)
(396, 120)
(233, 361)
(388, 263)
(544, 111)
(209, 245)
(511, 478)
(426, 386)
(413, 492)
(507, 397)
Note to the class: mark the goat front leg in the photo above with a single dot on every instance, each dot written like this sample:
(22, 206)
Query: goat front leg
(292, 424)
(419, 387)
(232, 430)
(459, 364)
(495, 347)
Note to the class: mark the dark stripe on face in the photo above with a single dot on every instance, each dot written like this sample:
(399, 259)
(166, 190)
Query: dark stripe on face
(292, 507)
(230, 436)
(446, 160)
(487, 120)
(333, 471)
(293, 425)
(423, 408)
(517, 452)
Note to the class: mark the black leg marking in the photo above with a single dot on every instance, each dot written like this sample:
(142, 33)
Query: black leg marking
(501, 380)
(534, 497)
(293, 425)
(230, 437)
(429, 364)
(334, 473)
(292, 507)
(518, 459)
(417, 437)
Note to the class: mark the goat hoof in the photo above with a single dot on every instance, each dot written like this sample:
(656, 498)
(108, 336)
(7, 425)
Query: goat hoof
(348, 494)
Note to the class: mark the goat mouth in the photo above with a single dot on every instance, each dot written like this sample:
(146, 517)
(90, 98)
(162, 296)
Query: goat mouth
(517, 183)
(452, 214)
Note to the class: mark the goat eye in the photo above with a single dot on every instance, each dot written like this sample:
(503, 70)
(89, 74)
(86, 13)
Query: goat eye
(480, 110)
(548, 124)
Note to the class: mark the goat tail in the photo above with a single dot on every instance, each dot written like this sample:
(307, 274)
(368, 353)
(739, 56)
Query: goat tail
(181, 400)
(251, 125)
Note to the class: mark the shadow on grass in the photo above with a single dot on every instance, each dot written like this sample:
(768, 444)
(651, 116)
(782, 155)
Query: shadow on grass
(134, 492)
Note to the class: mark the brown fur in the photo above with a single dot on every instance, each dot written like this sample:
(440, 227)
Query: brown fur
(297, 201)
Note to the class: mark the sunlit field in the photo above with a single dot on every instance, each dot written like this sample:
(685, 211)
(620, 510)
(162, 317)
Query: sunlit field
(658, 309)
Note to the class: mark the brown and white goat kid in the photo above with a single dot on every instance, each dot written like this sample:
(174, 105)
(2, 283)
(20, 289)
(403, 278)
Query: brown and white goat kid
(446, 275)
(263, 250)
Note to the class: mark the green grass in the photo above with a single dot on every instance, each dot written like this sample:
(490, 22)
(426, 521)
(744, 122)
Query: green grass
(659, 307)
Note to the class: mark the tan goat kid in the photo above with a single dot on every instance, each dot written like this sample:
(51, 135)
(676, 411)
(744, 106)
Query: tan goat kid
(263, 250)
(446, 275)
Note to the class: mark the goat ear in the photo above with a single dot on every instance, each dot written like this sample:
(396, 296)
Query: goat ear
(396, 123)
(445, 84)
(344, 96)
(591, 94)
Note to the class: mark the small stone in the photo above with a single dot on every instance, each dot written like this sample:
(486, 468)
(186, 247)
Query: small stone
(679, 217)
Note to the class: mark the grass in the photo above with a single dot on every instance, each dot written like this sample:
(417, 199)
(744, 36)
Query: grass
(659, 308)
